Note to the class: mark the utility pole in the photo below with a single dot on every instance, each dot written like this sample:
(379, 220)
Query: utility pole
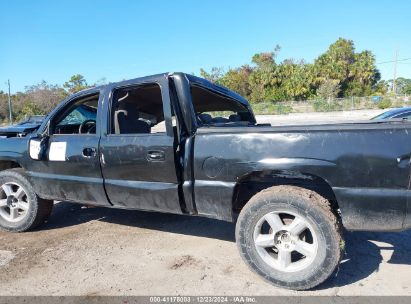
(10, 107)
(394, 85)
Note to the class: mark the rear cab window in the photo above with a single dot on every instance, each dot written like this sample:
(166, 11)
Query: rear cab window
(213, 108)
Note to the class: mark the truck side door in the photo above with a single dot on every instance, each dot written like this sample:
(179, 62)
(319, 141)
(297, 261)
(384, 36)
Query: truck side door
(138, 148)
(71, 169)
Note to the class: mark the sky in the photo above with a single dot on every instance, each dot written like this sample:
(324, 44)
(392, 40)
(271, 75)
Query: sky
(116, 40)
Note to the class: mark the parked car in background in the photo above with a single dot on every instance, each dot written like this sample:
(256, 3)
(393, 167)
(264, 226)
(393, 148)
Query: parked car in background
(28, 125)
(32, 119)
(403, 113)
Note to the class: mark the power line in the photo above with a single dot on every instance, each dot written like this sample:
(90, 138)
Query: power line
(391, 61)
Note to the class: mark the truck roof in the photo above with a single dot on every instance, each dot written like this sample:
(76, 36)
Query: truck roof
(191, 78)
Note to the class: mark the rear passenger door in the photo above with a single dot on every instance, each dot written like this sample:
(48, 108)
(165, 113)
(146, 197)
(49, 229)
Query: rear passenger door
(137, 151)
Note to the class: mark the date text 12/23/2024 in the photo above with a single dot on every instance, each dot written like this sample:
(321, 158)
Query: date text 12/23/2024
(203, 299)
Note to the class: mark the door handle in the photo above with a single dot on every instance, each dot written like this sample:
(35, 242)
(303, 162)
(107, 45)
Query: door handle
(404, 157)
(89, 152)
(156, 155)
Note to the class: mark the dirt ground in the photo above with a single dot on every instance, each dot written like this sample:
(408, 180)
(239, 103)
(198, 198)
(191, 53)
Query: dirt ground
(100, 251)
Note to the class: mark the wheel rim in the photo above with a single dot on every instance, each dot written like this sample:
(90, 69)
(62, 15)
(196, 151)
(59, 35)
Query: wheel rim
(14, 204)
(285, 241)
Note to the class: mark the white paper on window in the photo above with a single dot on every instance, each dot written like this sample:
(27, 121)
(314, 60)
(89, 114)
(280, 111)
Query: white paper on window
(57, 151)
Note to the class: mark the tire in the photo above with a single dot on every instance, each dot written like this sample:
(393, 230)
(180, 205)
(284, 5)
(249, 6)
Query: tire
(20, 207)
(289, 236)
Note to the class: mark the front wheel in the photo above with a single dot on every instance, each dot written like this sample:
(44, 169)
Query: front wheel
(290, 236)
(20, 208)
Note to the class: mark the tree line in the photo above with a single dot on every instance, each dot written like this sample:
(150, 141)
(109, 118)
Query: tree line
(41, 98)
(339, 72)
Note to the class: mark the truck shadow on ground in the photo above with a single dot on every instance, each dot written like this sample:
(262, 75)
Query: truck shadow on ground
(68, 214)
(363, 255)
(363, 250)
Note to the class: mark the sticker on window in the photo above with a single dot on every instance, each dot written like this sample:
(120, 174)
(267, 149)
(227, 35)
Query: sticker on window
(57, 151)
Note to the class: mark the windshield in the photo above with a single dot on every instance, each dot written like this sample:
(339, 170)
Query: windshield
(397, 113)
(80, 114)
(384, 115)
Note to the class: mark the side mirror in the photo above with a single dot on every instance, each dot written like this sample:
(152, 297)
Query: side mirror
(37, 147)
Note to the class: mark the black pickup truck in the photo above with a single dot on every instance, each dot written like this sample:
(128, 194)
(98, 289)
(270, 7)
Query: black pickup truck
(177, 143)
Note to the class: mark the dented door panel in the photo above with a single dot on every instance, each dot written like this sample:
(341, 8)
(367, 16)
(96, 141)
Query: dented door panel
(77, 178)
(135, 181)
(363, 158)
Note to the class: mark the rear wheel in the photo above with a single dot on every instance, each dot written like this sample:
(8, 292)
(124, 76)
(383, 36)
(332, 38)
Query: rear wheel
(290, 236)
(20, 208)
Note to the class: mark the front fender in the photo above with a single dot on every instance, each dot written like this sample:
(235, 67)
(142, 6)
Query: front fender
(14, 150)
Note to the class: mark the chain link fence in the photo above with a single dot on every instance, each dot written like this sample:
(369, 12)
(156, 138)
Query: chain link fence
(331, 105)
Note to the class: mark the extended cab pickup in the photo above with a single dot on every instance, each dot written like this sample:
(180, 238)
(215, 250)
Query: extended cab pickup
(179, 144)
